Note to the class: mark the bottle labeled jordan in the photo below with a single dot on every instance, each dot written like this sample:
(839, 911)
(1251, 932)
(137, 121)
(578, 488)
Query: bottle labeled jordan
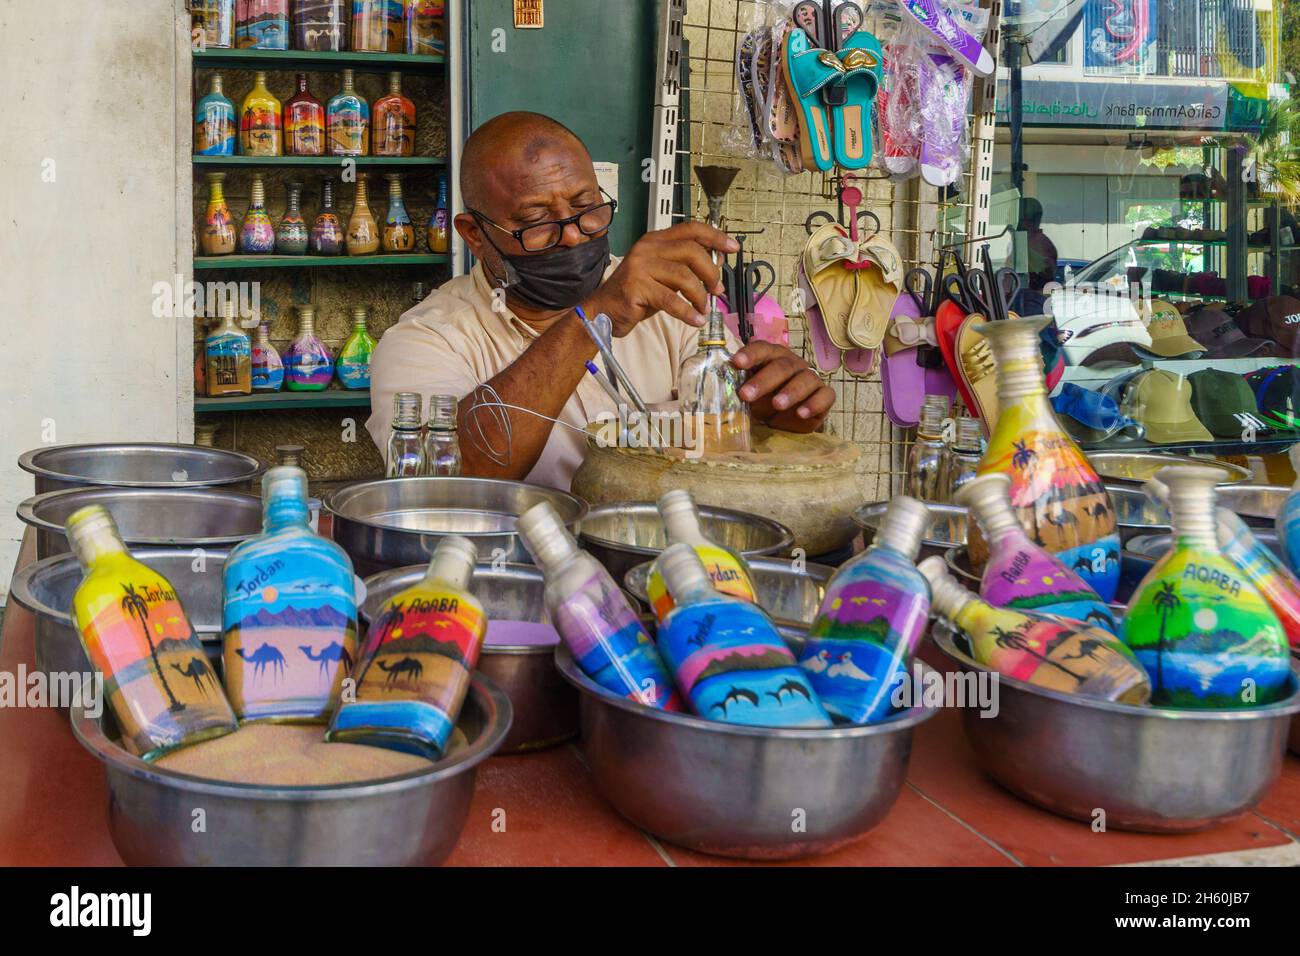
(159, 684)
(1051, 652)
(419, 655)
(871, 620)
(289, 612)
(593, 616)
(1021, 575)
(726, 655)
(728, 571)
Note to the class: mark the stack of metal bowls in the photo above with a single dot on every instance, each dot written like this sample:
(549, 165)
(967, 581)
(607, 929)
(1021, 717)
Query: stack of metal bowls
(947, 526)
(1134, 468)
(140, 465)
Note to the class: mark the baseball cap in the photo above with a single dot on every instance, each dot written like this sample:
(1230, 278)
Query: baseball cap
(1169, 338)
(1222, 337)
(1087, 322)
(1225, 403)
(1277, 395)
(1162, 402)
(1096, 412)
(1276, 318)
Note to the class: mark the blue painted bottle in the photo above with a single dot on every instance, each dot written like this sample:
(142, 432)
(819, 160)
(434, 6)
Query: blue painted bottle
(214, 122)
(726, 655)
(1287, 522)
(289, 614)
(871, 620)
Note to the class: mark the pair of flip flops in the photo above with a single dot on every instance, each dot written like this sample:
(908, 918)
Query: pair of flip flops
(827, 356)
(913, 366)
(839, 134)
(768, 109)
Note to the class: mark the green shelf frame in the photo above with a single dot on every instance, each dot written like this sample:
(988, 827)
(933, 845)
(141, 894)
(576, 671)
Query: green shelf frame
(315, 262)
(319, 162)
(229, 59)
(282, 401)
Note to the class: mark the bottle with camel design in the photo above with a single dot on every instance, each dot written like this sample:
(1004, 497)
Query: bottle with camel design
(871, 620)
(1050, 652)
(1204, 632)
(261, 129)
(727, 569)
(727, 656)
(289, 612)
(593, 615)
(1058, 497)
(1019, 574)
(419, 654)
(159, 684)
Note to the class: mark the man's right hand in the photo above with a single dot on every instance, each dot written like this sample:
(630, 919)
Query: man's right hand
(666, 271)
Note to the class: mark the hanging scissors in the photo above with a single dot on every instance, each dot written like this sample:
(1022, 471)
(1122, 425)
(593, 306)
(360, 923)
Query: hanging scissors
(993, 290)
(956, 288)
(810, 16)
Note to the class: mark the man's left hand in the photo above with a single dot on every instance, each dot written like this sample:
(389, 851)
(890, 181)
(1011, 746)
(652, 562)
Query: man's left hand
(782, 390)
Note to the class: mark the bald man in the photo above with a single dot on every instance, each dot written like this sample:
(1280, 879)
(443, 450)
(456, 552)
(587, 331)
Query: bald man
(538, 222)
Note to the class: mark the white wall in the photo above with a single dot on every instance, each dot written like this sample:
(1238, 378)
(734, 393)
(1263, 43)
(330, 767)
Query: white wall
(91, 101)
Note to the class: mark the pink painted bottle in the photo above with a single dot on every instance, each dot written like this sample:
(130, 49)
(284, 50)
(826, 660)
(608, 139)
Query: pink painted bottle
(1019, 574)
(593, 616)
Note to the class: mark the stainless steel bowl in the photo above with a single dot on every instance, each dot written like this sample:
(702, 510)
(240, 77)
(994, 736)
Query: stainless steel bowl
(790, 596)
(1155, 545)
(1135, 467)
(397, 522)
(149, 517)
(947, 525)
(545, 707)
(46, 587)
(139, 465)
(1149, 769)
(414, 819)
(1257, 505)
(735, 791)
(622, 534)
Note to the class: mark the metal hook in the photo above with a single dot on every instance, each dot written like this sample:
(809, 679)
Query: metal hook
(1006, 230)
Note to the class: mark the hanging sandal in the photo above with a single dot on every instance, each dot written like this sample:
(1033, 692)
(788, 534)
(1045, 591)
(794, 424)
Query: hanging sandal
(807, 71)
(836, 289)
(863, 62)
(977, 371)
(826, 356)
(880, 276)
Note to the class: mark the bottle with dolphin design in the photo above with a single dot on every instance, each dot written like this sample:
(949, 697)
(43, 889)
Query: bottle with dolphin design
(1287, 522)
(871, 620)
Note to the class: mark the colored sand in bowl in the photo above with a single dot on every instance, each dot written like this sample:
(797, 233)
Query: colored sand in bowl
(292, 755)
(520, 634)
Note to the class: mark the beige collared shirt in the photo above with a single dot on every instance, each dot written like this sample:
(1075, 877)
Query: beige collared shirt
(454, 340)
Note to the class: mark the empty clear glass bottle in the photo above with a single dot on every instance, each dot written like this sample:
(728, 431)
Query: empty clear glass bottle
(405, 446)
(441, 445)
(961, 458)
(925, 456)
(709, 386)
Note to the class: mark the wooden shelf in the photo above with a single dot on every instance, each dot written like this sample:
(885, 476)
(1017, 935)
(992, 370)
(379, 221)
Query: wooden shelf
(268, 401)
(316, 262)
(303, 60)
(319, 162)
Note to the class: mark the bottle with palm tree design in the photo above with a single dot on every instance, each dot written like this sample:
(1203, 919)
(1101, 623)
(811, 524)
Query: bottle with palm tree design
(1204, 632)
(289, 612)
(260, 121)
(161, 688)
(218, 235)
(1051, 652)
(419, 654)
(1058, 497)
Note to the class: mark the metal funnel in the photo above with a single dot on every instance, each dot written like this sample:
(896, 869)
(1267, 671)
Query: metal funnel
(716, 180)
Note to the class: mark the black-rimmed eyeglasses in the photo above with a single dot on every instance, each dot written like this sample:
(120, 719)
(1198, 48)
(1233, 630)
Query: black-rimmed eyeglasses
(546, 235)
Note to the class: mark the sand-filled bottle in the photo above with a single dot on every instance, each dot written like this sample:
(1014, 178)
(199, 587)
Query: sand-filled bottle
(291, 233)
(320, 26)
(304, 122)
(593, 616)
(726, 655)
(871, 620)
(1052, 652)
(392, 127)
(420, 651)
(262, 24)
(228, 356)
(363, 231)
(727, 568)
(214, 122)
(289, 612)
(256, 233)
(353, 366)
(1058, 497)
(398, 233)
(1287, 522)
(1019, 574)
(438, 232)
(347, 120)
(378, 26)
(160, 686)
(1204, 632)
(426, 30)
(308, 365)
(260, 121)
(218, 235)
(327, 237)
(213, 23)
(268, 369)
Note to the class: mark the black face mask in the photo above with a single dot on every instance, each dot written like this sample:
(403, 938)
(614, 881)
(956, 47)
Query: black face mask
(557, 279)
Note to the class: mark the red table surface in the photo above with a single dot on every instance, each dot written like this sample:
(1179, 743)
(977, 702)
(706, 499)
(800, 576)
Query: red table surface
(54, 799)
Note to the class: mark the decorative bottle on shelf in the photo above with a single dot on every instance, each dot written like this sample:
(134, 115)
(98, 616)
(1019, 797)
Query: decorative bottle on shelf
(727, 569)
(1052, 652)
(260, 121)
(1205, 633)
(441, 445)
(1287, 522)
(229, 356)
(214, 21)
(438, 234)
(399, 234)
(1019, 574)
(363, 231)
(289, 612)
(405, 458)
(291, 234)
(268, 370)
(262, 24)
(709, 386)
(327, 238)
(320, 26)
(871, 620)
(135, 632)
(961, 459)
(1059, 499)
(256, 234)
(393, 122)
(426, 27)
(377, 26)
(214, 122)
(353, 366)
(593, 615)
(925, 456)
(727, 657)
(304, 122)
(347, 120)
(218, 235)
(308, 366)
(419, 655)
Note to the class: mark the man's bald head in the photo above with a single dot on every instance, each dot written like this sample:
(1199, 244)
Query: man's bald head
(507, 144)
